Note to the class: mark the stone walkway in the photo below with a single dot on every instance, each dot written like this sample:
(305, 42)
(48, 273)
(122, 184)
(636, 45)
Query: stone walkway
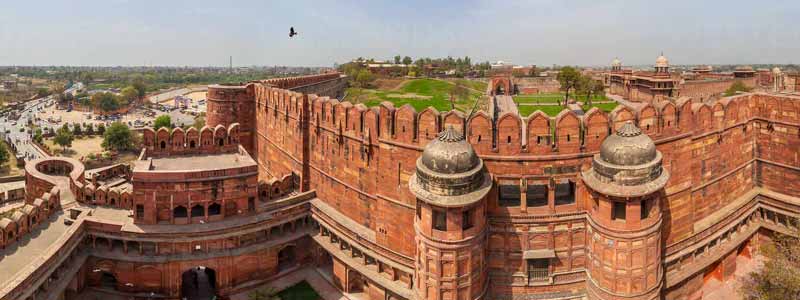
(21, 253)
(633, 105)
(322, 286)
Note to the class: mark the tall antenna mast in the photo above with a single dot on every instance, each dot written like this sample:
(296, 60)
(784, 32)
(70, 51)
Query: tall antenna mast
(230, 64)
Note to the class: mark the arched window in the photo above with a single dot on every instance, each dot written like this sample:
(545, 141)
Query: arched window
(214, 209)
(220, 142)
(192, 144)
(163, 145)
(198, 211)
(179, 212)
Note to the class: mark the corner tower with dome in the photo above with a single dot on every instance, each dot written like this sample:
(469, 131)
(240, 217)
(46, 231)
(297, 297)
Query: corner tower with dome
(624, 190)
(451, 185)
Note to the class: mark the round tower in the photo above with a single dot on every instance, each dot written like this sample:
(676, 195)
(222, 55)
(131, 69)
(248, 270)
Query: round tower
(450, 185)
(233, 103)
(624, 192)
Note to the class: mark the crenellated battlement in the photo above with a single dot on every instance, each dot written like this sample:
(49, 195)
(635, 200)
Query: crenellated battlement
(298, 81)
(165, 142)
(536, 134)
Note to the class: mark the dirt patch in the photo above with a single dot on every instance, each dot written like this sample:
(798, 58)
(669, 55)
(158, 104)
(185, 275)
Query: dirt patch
(409, 96)
(389, 83)
(80, 147)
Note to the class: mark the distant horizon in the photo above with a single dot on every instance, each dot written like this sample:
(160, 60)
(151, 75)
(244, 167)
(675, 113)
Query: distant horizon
(331, 66)
(205, 33)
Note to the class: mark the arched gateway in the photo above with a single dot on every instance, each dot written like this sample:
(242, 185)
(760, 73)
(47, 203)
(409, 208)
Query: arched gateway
(199, 283)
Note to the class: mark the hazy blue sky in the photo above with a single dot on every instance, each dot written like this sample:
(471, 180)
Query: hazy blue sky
(201, 32)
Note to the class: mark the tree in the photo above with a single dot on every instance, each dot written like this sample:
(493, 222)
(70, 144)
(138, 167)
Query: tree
(568, 77)
(780, 276)
(76, 129)
(105, 101)
(117, 137)
(4, 155)
(737, 86)
(89, 128)
(458, 92)
(101, 128)
(407, 60)
(64, 138)
(129, 94)
(140, 86)
(37, 135)
(162, 121)
(397, 59)
(599, 88)
(42, 92)
(199, 122)
(364, 78)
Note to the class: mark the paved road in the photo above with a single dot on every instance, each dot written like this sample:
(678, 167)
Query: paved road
(22, 139)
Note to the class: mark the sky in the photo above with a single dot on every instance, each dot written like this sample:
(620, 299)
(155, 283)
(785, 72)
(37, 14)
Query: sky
(543, 32)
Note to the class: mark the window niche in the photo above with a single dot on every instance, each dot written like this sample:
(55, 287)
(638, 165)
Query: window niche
(467, 219)
(536, 195)
(439, 221)
(618, 212)
(565, 193)
(509, 194)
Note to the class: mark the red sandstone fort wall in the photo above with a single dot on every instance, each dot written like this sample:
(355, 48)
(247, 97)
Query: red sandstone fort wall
(360, 160)
(702, 90)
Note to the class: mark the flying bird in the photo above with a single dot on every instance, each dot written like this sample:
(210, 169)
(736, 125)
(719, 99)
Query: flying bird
(292, 32)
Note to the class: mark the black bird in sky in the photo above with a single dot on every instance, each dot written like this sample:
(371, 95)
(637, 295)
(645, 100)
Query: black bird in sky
(292, 32)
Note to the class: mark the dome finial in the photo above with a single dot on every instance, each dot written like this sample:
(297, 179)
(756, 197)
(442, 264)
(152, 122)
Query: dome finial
(629, 129)
(450, 135)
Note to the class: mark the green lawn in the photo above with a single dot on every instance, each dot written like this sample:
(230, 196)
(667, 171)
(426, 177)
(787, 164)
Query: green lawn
(543, 98)
(607, 107)
(300, 291)
(474, 84)
(553, 98)
(550, 110)
(419, 93)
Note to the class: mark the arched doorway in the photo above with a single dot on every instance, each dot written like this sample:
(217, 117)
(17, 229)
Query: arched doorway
(357, 283)
(108, 280)
(286, 258)
(199, 283)
(500, 90)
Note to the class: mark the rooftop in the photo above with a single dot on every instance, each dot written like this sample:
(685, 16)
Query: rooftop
(194, 162)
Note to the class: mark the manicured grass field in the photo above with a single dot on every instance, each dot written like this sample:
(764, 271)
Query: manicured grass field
(544, 98)
(550, 110)
(553, 98)
(300, 291)
(419, 93)
(607, 107)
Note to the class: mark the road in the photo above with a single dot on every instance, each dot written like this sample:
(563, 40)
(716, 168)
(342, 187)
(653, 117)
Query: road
(21, 140)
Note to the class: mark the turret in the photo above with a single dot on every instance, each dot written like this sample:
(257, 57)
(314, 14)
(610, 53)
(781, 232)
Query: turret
(662, 64)
(624, 190)
(450, 185)
(616, 65)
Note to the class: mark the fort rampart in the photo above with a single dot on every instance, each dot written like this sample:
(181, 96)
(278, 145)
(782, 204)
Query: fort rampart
(359, 159)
